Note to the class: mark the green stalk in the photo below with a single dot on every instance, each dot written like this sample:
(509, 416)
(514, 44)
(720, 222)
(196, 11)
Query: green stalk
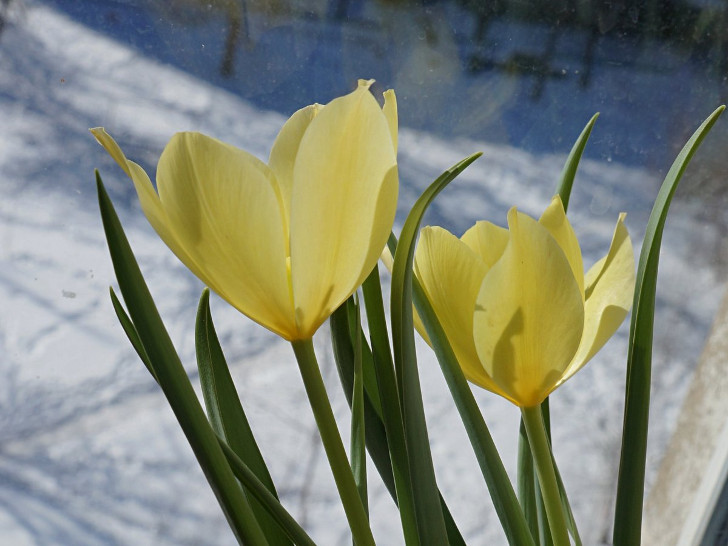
(333, 446)
(541, 451)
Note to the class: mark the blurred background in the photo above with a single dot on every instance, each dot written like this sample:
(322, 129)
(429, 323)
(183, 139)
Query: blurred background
(89, 452)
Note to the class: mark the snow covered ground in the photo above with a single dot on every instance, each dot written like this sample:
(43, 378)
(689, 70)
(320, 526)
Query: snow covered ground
(89, 451)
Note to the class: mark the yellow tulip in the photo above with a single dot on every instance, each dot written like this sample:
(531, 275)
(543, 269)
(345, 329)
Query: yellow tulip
(515, 305)
(285, 243)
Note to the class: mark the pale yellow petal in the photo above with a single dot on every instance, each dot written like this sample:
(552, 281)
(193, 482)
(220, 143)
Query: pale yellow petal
(390, 112)
(529, 314)
(554, 219)
(387, 258)
(284, 152)
(343, 202)
(610, 290)
(222, 206)
(148, 198)
(487, 240)
(451, 274)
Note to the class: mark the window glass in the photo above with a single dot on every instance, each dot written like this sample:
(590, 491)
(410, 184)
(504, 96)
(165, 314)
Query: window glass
(90, 451)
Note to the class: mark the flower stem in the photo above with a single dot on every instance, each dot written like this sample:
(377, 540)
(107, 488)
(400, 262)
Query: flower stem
(541, 451)
(333, 446)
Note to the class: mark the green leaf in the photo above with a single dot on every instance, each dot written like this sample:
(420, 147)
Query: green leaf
(566, 506)
(572, 162)
(173, 379)
(566, 183)
(391, 409)
(544, 532)
(261, 492)
(358, 442)
(376, 436)
(630, 485)
(226, 413)
(496, 478)
(527, 483)
(266, 499)
(131, 333)
(428, 512)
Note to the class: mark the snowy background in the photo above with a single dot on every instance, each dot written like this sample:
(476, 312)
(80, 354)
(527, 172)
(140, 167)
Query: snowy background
(89, 451)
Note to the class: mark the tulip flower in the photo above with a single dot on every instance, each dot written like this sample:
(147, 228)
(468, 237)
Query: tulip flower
(285, 243)
(518, 310)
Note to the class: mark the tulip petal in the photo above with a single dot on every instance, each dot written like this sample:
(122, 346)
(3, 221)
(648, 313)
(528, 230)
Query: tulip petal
(554, 219)
(221, 204)
(390, 112)
(148, 198)
(283, 155)
(343, 203)
(487, 240)
(451, 274)
(609, 292)
(529, 314)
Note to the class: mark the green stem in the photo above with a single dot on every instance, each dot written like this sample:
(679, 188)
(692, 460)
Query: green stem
(333, 446)
(541, 451)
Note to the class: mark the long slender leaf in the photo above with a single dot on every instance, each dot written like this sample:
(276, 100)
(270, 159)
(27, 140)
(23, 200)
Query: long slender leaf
(527, 484)
(566, 183)
(391, 409)
(566, 506)
(226, 413)
(630, 486)
(358, 427)
(246, 476)
(566, 180)
(263, 495)
(430, 521)
(173, 379)
(374, 303)
(376, 437)
(544, 531)
(131, 333)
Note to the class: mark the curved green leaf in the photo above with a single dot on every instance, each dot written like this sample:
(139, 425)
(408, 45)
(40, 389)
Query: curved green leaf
(566, 180)
(630, 485)
(173, 379)
(226, 413)
(428, 511)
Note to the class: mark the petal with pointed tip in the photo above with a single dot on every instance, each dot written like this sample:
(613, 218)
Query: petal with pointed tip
(529, 314)
(487, 240)
(554, 219)
(390, 112)
(343, 203)
(149, 200)
(609, 291)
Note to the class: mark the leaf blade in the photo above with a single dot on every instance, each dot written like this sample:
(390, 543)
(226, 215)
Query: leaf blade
(226, 414)
(428, 511)
(630, 485)
(173, 378)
